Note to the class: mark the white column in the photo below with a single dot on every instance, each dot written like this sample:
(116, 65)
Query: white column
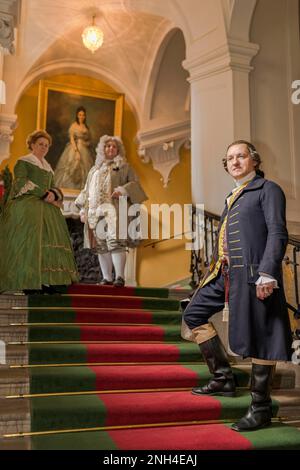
(8, 20)
(7, 37)
(220, 114)
(7, 126)
(7, 121)
(2, 83)
(130, 267)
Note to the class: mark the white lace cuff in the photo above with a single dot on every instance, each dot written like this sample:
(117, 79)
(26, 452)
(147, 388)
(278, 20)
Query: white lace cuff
(59, 194)
(29, 186)
(121, 190)
(92, 218)
(265, 279)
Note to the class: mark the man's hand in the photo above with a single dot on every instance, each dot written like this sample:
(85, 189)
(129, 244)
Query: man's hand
(116, 194)
(83, 218)
(265, 290)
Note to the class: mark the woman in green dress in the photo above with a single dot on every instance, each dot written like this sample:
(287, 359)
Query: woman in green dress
(34, 240)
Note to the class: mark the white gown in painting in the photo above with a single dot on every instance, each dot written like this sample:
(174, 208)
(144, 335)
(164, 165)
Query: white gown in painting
(76, 160)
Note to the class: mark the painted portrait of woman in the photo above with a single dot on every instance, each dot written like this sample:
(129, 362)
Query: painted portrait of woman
(78, 156)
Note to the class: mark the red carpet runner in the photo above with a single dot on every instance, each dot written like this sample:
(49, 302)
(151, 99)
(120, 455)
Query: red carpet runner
(104, 358)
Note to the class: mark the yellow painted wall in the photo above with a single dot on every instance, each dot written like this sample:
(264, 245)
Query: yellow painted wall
(27, 115)
(168, 262)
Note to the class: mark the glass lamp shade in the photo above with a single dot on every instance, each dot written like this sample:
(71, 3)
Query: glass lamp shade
(92, 38)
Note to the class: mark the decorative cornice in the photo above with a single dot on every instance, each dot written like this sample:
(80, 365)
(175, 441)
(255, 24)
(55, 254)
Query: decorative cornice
(162, 146)
(8, 5)
(234, 55)
(7, 35)
(8, 123)
(161, 134)
(10, 11)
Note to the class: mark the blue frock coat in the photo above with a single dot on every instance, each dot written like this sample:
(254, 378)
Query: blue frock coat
(257, 238)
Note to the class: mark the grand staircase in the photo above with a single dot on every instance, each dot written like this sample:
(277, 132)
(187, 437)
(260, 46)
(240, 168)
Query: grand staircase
(105, 368)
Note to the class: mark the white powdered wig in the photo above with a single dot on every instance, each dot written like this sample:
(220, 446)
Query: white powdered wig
(119, 160)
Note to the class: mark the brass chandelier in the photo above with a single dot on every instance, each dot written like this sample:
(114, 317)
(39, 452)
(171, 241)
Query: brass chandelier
(92, 36)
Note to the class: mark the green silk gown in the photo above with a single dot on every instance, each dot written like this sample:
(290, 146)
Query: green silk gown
(35, 246)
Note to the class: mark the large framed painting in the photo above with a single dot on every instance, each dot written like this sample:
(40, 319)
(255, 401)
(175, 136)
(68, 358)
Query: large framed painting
(76, 118)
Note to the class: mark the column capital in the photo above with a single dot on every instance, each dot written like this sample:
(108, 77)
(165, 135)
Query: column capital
(235, 55)
(7, 35)
(9, 18)
(162, 147)
(8, 123)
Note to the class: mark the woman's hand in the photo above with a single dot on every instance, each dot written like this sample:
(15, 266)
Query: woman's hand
(50, 197)
(58, 204)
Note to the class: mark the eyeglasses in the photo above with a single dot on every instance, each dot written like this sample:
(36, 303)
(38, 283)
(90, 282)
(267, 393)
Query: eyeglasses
(240, 156)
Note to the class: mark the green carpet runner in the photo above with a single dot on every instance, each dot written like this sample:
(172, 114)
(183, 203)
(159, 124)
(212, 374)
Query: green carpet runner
(120, 377)
(57, 412)
(193, 437)
(108, 370)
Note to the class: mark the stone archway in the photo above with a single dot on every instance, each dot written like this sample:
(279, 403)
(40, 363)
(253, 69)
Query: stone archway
(238, 16)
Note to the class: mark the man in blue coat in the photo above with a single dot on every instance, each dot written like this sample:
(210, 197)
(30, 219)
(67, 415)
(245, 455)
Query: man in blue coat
(246, 272)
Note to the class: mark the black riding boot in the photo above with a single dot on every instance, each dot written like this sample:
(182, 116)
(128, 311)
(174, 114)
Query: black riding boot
(259, 413)
(222, 382)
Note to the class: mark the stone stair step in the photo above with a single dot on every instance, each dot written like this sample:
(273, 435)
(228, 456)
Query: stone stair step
(15, 413)
(289, 406)
(288, 398)
(284, 377)
(12, 333)
(179, 294)
(14, 416)
(13, 381)
(12, 315)
(16, 354)
(9, 300)
(20, 443)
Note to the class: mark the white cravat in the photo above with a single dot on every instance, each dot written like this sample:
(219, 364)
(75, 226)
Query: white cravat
(239, 183)
(243, 180)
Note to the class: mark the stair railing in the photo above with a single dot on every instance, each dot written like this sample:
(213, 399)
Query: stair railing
(294, 244)
(201, 258)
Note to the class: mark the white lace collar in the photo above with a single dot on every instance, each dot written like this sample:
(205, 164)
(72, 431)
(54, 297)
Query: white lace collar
(117, 162)
(43, 164)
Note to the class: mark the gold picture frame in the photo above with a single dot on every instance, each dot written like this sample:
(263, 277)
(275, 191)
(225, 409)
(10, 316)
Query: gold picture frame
(57, 105)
